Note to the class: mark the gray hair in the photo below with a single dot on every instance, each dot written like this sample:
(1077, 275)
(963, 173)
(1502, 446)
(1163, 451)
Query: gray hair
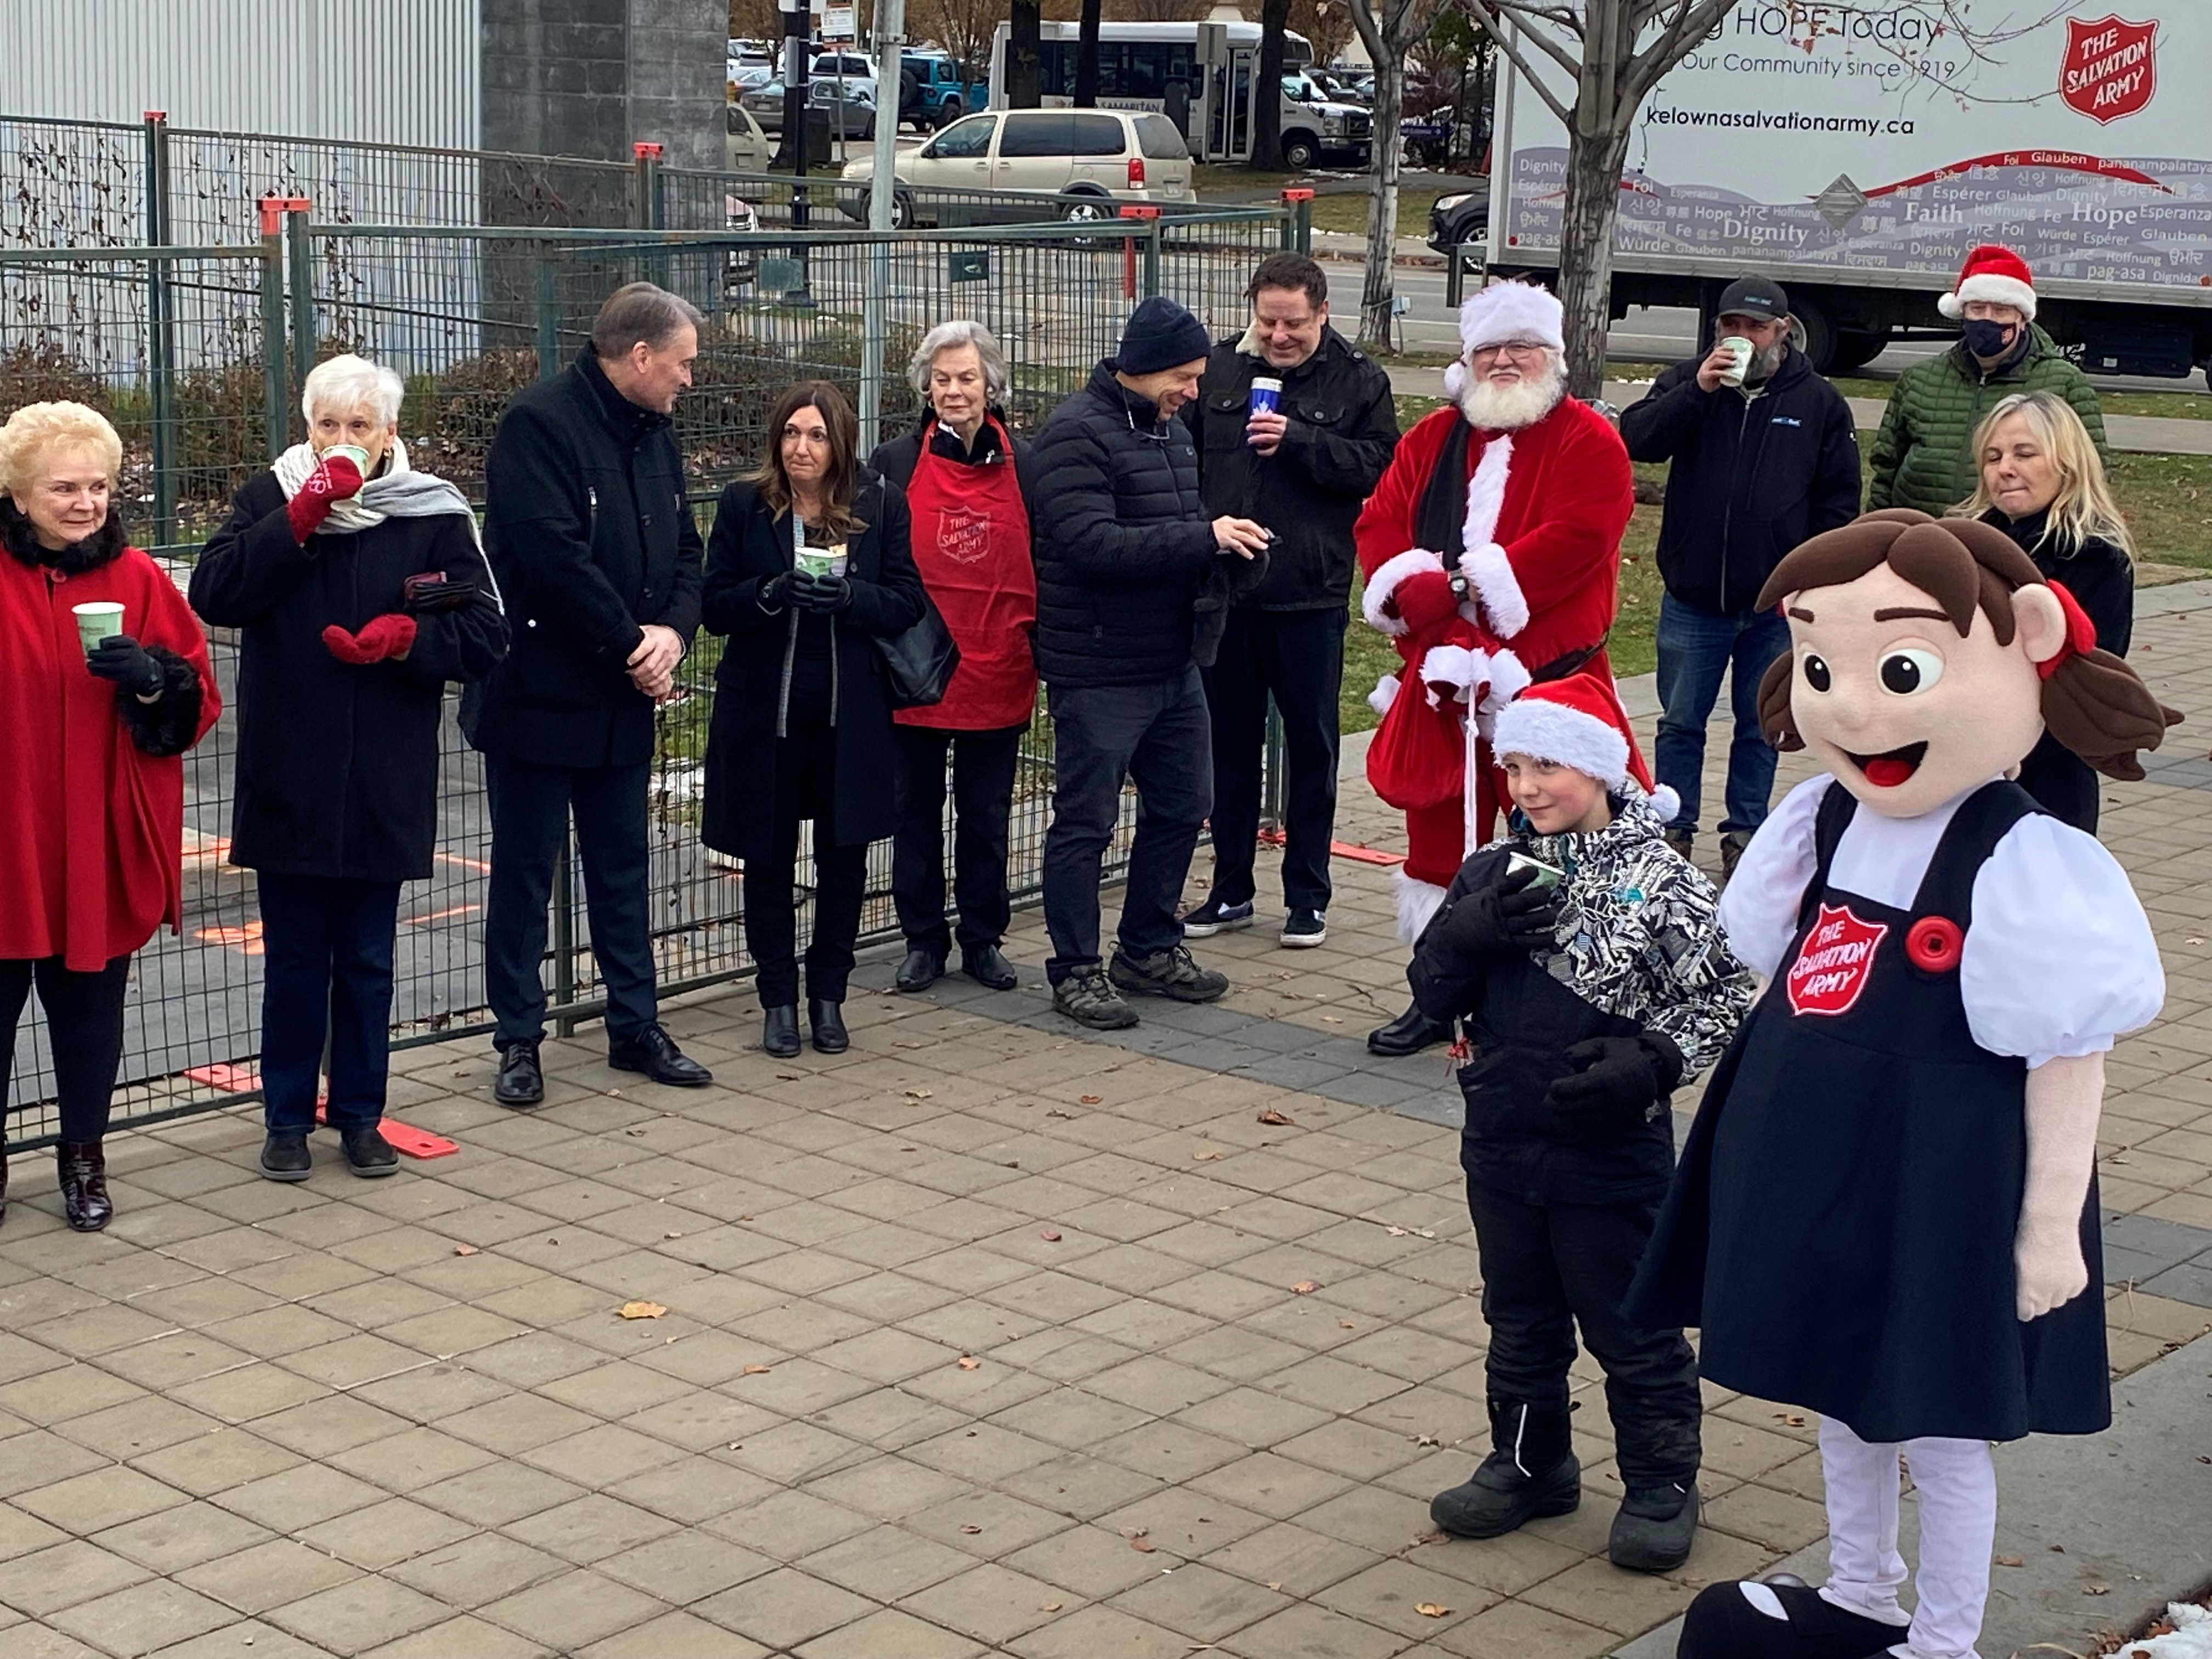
(341, 385)
(960, 331)
(640, 314)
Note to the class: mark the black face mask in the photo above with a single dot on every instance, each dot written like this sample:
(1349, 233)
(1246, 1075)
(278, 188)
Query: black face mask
(1986, 339)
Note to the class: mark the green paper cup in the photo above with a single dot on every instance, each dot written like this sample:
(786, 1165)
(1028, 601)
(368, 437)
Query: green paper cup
(96, 620)
(822, 560)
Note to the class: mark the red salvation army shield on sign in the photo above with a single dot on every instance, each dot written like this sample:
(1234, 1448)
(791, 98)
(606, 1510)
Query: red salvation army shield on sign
(2111, 68)
(1834, 963)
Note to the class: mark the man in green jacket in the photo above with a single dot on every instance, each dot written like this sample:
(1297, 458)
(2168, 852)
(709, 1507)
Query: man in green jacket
(1923, 455)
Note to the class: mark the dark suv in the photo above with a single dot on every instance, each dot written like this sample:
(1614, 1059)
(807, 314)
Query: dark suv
(1459, 217)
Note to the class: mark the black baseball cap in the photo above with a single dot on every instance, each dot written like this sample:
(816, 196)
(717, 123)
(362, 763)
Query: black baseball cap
(1754, 296)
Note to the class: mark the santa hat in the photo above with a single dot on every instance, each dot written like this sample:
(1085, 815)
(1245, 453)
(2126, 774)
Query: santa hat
(1503, 311)
(1995, 274)
(1578, 721)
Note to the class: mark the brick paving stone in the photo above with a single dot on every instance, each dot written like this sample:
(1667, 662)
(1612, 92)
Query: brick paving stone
(784, 1608)
(267, 1575)
(49, 1580)
(143, 1619)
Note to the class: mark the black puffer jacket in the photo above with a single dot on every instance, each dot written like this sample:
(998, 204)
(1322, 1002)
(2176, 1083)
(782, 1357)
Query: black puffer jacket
(1130, 588)
(1343, 426)
(585, 524)
(1751, 476)
(337, 764)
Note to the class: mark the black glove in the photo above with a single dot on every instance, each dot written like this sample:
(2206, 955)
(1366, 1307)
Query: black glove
(122, 659)
(1617, 1082)
(1501, 919)
(823, 595)
(775, 592)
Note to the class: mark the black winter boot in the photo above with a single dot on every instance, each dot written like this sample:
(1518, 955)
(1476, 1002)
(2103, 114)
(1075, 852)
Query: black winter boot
(1655, 1527)
(1532, 1472)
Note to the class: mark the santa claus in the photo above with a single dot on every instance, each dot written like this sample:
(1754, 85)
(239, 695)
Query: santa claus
(1491, 551)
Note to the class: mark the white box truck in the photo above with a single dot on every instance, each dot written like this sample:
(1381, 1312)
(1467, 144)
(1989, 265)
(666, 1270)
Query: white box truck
(1856, 153)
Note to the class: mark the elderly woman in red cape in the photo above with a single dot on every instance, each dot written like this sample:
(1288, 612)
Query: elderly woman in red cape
(98, 705)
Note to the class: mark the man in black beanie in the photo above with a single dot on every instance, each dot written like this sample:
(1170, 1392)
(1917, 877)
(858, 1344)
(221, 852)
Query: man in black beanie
(1134, 584)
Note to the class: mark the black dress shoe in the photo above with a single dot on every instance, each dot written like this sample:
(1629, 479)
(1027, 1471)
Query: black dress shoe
(1408, 1033)
(827, 1021)
(82, 1167)
(367, 1152)
(520, 1083)
(285, 1157)
(779, 1030)
(922, 970)
(654, 1052)
(988, 967)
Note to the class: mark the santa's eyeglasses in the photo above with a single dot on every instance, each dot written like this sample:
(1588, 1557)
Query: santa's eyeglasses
(1518, 350)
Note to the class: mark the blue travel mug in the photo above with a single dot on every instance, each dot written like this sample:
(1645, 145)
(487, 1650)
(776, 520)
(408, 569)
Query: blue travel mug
(1267, 396)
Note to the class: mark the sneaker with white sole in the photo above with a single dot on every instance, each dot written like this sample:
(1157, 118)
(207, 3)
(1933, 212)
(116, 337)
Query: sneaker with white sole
(1214, 917)
(1305, 930)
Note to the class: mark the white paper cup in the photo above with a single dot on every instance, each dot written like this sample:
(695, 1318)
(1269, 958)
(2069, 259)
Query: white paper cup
(1744, 352)
(95, 621)
(353, 453)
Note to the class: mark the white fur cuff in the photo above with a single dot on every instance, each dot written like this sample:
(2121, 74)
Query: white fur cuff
(1453, 666)
(1490, 573)
(1384, 694)
(1384, 582)
(1418, 900)
(1509, 678)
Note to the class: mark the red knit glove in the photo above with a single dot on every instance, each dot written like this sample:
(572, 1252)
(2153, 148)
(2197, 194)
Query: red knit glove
(392, 634)
(334, 479)
(1424, 600)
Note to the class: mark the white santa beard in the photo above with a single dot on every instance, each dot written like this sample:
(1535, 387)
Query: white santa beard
(1496, 406)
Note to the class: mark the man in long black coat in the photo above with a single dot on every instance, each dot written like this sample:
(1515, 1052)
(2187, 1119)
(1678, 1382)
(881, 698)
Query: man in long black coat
(587, 528)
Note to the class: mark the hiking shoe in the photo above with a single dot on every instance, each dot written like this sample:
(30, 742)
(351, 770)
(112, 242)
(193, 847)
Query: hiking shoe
(1305, 930)
(285, 1157)
(1214, 917)
(1087, 996)
(1732, 845)
(1684, 841)
(1169, 973)
(1655, 1527)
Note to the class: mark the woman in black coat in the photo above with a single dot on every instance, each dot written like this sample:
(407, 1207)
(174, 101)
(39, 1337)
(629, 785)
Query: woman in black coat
(2042, 484)
(802, 726)
(359, 591)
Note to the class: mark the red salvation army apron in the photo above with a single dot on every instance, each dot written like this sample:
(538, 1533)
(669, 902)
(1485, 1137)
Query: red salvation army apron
(971, 543)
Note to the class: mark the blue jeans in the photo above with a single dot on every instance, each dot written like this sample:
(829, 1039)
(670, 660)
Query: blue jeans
(1697, 646)
(326, 946)
(1158, 737)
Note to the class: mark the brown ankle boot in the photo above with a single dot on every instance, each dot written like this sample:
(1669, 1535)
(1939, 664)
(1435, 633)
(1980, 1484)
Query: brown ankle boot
(82, 1166)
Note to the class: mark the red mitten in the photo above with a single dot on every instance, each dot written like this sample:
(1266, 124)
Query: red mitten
(334, 479)
(1424, 599)
(392, 634)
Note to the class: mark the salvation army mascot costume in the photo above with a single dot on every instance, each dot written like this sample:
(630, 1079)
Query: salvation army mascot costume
(1885, 1211)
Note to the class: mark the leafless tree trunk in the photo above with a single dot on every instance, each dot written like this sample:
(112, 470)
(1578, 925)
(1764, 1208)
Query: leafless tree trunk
(1023, 39)
(1387, 28)
(1266, 102)
(1086, 56)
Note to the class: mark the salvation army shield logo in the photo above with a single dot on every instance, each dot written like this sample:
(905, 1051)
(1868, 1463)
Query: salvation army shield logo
(963, 535)
(2110, 69)
(1834, 963)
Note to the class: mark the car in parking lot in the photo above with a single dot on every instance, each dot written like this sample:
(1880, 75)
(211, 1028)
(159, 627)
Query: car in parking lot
(1088, 162)
(1461, 216)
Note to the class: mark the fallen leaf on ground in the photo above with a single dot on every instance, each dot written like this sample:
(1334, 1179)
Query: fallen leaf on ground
(1055, 1112)
(1793, 1419)
(969, 1363)
(1050, 1606)
(1203, 1158)
(2098, 1589)
(788, 1077)
(1274, 1583)
(1431, 1538)
(909, 1149)
(1426, 1440)
(1430, 1609)
(1691, 1578)
(756, 1370)
(1346, 1325)
(1091, 1100)
(2010, 1561)
(1305, 1287)
(1136, 1532)
(1396, 1232)
(1332, 1020)
(632, 1131)
(971, 1529)
(1050, 1235)
(640, 1310)
(903, 1043)
(466, 1249)
(1275, 1120)
(1144, 1546)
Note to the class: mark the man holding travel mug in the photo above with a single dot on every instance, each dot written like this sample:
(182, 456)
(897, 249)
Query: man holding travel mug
(1294, 425)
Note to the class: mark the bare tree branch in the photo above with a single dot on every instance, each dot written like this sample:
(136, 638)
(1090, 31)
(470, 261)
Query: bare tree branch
(1482, 12)
(1691, 25)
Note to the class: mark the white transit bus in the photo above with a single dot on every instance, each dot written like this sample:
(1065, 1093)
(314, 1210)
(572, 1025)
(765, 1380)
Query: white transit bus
(1201, 74)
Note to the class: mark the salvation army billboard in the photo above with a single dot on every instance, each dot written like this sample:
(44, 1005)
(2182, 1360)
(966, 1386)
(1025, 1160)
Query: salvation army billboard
(1872, 137)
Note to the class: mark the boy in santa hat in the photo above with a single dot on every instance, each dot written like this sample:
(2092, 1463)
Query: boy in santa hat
(1580, 958)
(1924, 456)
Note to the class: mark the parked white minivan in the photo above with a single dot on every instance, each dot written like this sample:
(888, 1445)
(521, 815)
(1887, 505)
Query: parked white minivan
(1093, 159)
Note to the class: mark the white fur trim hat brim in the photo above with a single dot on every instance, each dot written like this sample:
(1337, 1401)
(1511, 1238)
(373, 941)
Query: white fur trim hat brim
(1543, 730)
(1511, 311)
(1994, 289)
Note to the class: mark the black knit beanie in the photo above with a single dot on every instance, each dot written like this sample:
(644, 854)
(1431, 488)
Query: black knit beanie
(1161, 335)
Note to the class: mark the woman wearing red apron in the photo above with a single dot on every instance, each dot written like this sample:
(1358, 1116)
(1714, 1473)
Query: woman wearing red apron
(966, 486)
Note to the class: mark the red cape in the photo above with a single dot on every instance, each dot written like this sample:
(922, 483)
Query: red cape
(91, 827)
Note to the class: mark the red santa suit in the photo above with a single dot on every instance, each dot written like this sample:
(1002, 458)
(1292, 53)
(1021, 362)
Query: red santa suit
(1527, 592)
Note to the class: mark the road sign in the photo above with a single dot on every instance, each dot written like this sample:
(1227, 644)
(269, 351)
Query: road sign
(837, 23)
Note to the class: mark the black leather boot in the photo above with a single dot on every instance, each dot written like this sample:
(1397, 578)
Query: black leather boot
(779, 1030)
(922, 969)
(82, 1167)
(827, 1021)
(1531, 1472)
(1408, 1033)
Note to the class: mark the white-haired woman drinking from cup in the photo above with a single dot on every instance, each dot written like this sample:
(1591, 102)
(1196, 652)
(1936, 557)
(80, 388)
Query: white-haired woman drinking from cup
(104, 684)
(359, 590)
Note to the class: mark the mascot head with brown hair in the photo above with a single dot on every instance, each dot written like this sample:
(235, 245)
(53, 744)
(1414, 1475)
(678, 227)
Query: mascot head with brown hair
(1928, 655)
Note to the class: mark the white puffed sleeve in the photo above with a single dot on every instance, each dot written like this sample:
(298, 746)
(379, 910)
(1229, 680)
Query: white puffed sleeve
(2059, 956)
(1758, 906)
